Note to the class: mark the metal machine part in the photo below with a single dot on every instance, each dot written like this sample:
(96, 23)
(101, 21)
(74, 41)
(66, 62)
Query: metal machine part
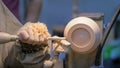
(57, 45)
(84, 34)
(105, 36)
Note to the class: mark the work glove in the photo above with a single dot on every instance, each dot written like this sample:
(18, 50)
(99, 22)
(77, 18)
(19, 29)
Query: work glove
(34, 33)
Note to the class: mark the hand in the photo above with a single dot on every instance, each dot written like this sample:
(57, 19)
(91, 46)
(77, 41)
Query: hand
(34, 33)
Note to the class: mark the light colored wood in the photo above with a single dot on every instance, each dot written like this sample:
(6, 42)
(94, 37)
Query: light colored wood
(79, 60)
(5, 37)
(83, 29)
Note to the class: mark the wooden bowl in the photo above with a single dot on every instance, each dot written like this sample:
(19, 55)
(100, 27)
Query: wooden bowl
(83, 33)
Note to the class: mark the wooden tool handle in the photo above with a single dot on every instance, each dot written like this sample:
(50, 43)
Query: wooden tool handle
(5, 37)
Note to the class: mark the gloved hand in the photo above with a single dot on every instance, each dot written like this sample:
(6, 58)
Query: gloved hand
(34, 33)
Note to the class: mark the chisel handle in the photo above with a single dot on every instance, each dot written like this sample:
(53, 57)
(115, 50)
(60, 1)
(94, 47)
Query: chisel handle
(5, 37)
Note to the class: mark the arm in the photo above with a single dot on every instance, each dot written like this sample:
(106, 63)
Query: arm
(33, 10)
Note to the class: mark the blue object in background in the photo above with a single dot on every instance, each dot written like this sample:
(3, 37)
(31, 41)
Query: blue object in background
(56, 12)
(62, 56)
(60, 12)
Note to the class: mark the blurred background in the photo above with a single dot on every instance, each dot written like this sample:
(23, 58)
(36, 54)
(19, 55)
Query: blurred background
(60, 12)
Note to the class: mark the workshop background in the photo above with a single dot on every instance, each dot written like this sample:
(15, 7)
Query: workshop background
(60, 12)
